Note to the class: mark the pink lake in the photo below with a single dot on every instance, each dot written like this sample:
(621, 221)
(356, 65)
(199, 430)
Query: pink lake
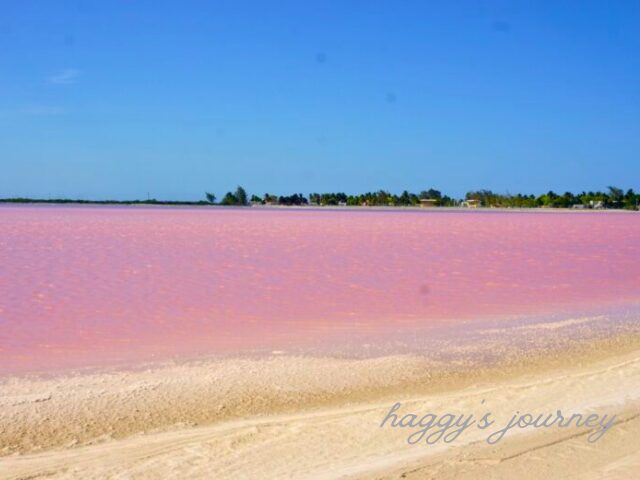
(91, 285)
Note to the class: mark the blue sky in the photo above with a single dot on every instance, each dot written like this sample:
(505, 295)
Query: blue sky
(122, 99)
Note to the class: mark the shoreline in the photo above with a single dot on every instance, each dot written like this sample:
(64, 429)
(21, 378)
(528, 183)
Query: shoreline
(219, 388)
(333, 208)
(99, 415)
(611, 318)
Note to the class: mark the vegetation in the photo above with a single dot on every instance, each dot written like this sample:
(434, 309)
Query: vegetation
(612, 198)
(295, 199)
(239, 198)
(380, 198)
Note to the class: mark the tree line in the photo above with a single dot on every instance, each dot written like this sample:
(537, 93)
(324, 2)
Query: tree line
(614, 197)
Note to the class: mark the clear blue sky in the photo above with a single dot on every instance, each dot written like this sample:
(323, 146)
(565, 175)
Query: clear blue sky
(119, 99)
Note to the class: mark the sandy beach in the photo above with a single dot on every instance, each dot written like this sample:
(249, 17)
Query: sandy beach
(303, 417)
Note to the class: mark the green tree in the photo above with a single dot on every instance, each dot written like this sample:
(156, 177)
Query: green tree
(211, 198)
(616, 196)
(241, 196)
(631, 200)
(270, 199)
(431, 194)
(229, 199)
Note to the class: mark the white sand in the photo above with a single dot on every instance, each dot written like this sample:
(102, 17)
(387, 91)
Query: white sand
(298, 417)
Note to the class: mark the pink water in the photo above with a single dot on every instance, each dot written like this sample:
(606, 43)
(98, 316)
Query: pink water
(80, 286)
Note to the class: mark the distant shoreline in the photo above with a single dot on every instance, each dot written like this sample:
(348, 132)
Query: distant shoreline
(207, 205)
(615, 199)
